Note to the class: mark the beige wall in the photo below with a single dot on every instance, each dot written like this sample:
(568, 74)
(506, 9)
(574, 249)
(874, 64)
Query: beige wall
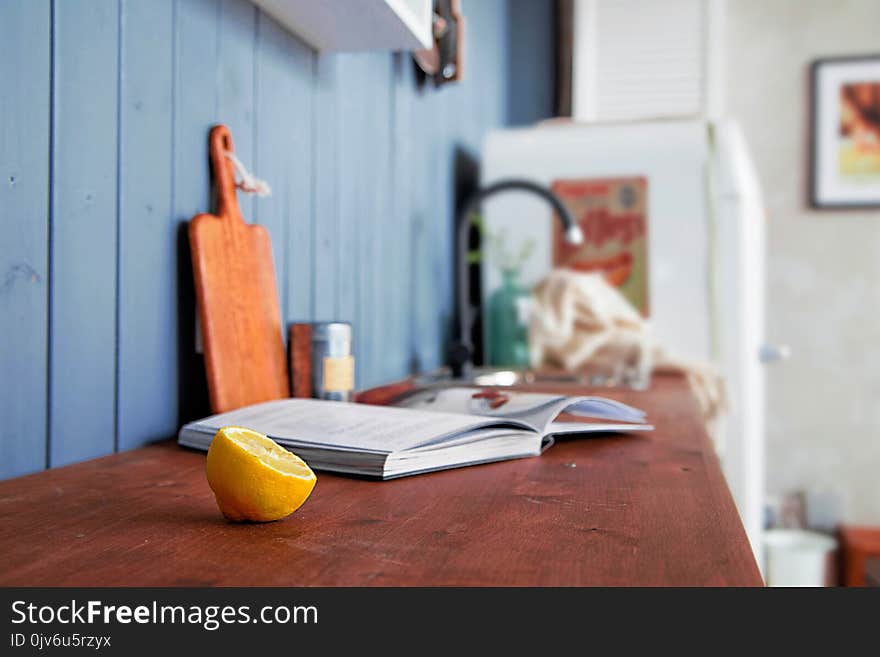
(823, 266)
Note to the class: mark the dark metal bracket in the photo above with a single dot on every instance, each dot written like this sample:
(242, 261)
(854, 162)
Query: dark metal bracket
(445, 61)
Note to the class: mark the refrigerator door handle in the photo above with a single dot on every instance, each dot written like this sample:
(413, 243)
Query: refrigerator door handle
(771, 353)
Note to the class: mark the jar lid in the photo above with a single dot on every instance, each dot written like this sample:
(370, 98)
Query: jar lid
(331, 331)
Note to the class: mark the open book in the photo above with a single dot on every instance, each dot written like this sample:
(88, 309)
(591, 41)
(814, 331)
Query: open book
(429, 430)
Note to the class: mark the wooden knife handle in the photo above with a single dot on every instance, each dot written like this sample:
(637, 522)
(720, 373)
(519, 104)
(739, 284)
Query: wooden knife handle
(384, 395)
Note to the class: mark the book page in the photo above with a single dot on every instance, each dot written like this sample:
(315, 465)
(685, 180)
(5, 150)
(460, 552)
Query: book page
(537, 409)
(481, 401)
(349, 426)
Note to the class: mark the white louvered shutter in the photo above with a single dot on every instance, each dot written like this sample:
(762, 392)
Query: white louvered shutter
(639, 59)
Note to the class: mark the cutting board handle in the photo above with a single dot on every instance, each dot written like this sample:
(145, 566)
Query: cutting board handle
(224, 173)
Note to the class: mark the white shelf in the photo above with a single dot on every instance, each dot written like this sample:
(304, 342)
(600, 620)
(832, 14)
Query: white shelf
(346, 25)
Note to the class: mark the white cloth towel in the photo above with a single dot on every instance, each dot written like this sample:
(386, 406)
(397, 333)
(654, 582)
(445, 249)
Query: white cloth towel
(580, 323)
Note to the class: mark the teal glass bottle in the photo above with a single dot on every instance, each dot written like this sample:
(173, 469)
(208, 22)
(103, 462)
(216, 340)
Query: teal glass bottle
(508, 331)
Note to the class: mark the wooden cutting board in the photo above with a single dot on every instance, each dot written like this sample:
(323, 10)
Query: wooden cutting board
(237, 296)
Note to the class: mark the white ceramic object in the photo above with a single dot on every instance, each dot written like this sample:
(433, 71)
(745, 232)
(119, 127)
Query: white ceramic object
(795, 557)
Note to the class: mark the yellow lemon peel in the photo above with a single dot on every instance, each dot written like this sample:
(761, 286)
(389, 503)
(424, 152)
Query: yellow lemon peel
(254, 478)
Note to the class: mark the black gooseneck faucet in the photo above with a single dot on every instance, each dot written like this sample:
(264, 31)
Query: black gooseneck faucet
(461, 352)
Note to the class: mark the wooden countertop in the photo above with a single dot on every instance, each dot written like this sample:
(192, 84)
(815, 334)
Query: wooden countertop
(648, 510)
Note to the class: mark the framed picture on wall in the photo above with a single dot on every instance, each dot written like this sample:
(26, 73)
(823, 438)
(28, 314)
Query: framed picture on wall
(845, 167)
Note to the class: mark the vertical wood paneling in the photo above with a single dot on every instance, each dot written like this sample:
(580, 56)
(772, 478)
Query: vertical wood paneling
(361, 153)
(424, 302)
(195, 103)
(297, 123)
(274, 103)
(147, 368)
(487, 88)
(442, 255)
(235, 82)
(326, 195)
(353, 218)
(382, 238)
(361, 160)
(531, 61)
(284, 100)
(401, 332)
(84, 180)
(25, 32)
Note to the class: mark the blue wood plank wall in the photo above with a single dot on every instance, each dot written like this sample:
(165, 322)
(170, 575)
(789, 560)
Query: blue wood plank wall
(104, 116)
(24, 239)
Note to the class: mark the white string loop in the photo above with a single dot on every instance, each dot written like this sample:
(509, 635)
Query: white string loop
(248, 182)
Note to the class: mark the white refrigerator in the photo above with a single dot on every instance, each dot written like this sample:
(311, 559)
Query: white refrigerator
(705, 252)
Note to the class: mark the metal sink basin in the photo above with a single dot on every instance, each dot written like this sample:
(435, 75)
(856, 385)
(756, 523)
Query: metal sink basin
(489, 376)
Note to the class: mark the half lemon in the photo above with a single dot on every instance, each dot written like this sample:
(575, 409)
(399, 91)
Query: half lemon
(254, 478)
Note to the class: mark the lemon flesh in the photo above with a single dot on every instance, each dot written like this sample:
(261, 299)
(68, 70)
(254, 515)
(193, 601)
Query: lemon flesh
(254, 478)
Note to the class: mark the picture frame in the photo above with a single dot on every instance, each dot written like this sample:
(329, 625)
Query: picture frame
(845, 132)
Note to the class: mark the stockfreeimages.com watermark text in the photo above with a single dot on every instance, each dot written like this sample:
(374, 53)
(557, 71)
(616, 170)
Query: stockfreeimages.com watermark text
(209, 617)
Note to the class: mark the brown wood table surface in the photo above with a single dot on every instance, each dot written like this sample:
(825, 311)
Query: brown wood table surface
(642, 509)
